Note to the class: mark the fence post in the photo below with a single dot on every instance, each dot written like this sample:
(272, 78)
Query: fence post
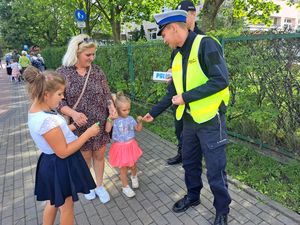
(131, 70)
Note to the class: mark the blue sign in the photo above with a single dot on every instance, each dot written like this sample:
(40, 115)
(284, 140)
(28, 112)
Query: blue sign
(80, 15)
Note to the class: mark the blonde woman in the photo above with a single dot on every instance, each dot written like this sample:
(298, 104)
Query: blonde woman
(94, 106)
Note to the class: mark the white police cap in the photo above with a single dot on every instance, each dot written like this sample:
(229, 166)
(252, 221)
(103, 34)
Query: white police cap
(163, 19)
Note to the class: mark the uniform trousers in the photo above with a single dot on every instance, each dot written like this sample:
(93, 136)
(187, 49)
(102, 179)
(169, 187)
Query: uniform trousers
(178, 130)
(206, 140)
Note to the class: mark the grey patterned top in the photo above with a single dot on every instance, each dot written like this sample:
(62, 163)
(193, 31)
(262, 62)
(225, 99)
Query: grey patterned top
(123, 129)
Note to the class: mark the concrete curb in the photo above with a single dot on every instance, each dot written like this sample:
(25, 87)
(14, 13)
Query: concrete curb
(266, 200)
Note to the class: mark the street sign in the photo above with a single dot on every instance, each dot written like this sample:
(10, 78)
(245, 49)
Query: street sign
(81, 24)
(80, 15)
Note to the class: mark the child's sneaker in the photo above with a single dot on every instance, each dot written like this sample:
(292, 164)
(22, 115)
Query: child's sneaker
(91, 195)
(128, 191)
(102, 194)
(134, 181)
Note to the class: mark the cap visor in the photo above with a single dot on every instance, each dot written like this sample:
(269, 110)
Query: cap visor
(161, 29)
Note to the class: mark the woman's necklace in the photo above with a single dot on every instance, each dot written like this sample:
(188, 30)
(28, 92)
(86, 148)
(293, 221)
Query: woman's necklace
(81, 70)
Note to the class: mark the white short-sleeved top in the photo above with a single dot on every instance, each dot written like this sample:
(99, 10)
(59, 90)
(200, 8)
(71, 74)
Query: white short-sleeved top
(41, 122)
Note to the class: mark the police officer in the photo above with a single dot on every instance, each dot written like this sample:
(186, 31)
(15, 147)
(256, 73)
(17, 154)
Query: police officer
(164, 103)
(190, 8)
(200, 90)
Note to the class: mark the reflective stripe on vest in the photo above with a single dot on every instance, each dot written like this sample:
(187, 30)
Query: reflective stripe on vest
(204, 109)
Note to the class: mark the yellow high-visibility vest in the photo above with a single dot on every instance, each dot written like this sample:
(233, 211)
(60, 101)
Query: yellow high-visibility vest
(204, 109)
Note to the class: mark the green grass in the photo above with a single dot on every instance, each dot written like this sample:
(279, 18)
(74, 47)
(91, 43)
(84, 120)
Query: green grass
(280, 182)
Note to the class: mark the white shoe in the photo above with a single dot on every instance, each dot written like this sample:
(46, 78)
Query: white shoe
(128, 191)
(134, 181)
(91, 195)
(102, 194)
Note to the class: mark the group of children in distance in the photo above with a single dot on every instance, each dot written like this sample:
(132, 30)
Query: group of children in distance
(61, 170)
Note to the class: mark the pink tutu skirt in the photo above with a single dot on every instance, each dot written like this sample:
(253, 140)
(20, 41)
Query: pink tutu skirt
(124, 153)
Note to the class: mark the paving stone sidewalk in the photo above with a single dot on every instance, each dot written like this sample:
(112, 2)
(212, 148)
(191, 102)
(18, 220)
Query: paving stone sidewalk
(160, 185)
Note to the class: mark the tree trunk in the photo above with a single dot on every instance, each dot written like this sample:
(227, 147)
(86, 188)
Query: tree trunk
(116, 24)
(210, 10)
(88, 28)
(116, 30)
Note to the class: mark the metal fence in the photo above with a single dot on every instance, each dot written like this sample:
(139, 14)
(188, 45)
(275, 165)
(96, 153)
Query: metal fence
(265, 75)
(264, 83)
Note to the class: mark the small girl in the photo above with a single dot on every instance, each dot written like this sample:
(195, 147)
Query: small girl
(15, 70)
(61, 171)
(124, 151)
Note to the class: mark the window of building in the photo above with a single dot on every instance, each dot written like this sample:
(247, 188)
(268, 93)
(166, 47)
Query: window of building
(287, 24)
(276, 21)
(152, 34)
(298, 27)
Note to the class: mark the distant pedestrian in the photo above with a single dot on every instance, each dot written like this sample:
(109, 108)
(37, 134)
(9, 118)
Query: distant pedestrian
(1, 55)
(37, 63)
(41, 59)
(124, 151)
(8, 61)
(61, 171)
(24, 61)
(15, 55)
(15, 70)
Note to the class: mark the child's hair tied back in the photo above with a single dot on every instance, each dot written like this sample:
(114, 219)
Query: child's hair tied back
(121, 98)
(31, 74)
(120, 93)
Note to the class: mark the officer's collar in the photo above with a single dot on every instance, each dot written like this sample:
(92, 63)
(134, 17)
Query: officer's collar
(197, 30)
(188, 43)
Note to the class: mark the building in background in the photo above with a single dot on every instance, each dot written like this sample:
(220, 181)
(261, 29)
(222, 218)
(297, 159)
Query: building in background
(288, 18)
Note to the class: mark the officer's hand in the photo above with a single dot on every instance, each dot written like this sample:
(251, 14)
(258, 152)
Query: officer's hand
(178, 100)
(148, 118)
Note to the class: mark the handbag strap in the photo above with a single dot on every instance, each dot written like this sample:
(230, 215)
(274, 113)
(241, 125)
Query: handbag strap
(83, 89)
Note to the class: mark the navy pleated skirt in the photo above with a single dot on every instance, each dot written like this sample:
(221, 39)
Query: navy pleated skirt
(57, 179)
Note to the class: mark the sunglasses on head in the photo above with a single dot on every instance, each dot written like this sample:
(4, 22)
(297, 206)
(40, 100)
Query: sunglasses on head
(86, 40)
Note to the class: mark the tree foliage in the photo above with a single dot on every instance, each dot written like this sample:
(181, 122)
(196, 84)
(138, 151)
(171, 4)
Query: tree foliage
(255, 11)
(45, 23)
(294, 2)
(251, 10)
(51, 22)
(117, 12)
